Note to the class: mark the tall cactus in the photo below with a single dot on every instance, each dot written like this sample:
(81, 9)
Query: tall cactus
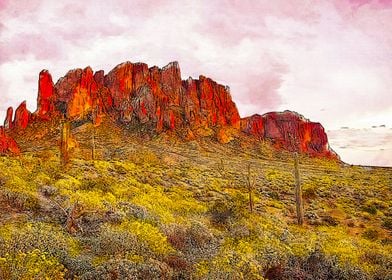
(65, 142)
(93, 145)
(94, 119)
(251, 182)
(298, 192)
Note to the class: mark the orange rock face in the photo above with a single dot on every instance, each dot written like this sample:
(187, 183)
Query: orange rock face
(7, 144)
(209, 103)
(133, 93)
(45, 101)
(8, 119)
(289, 130)
(102, 99)
(75, 93)
(22, 116)
(159, 100)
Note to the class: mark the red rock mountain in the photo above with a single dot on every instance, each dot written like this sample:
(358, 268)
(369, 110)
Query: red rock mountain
(158, 99)
(7, 143)
(289, 130)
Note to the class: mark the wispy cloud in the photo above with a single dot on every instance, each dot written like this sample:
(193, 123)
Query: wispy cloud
(366, 146)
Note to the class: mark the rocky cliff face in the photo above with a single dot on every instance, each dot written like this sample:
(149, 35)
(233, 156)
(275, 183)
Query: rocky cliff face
(8, 119)
(158, 99)
(135, 93)
(22, 116)
(289, 130)
(46, 98)
(7, 144)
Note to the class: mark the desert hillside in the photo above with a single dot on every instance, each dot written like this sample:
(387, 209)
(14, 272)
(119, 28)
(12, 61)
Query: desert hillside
(159, 207)
(138, 174)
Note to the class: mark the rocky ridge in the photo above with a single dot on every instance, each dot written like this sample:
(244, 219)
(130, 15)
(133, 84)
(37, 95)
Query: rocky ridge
(133, 94)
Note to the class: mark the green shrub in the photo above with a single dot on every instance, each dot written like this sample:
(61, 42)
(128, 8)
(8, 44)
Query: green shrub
(387, 223)
(371, 209)
(371, 234)
(138, 212)
(309, 192)
(195, 242)
(44, 237)
(126, 269)
(20, 200)
(30, 265)
(225, 212)
(315, 266)
(111, 242)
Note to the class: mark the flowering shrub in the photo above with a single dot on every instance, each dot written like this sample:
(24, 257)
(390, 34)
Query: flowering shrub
(31, 265)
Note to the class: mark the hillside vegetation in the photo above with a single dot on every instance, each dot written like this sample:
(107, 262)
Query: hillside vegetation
(161, 208)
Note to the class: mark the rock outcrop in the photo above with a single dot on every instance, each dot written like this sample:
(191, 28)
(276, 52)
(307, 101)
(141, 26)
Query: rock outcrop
(46, 98)
(75, 93)
(135, 93)
(22, 116)
(289, 130)
(207, 102)
(8, 118)
(159, 100)
(7, 144)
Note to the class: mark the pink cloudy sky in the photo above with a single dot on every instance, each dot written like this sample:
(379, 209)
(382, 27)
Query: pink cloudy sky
(329, 60)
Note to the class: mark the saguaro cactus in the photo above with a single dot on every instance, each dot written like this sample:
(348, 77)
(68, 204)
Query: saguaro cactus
(94, 121)
(65, 142)
(251, 182)
(93, 145)
(298, 192)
